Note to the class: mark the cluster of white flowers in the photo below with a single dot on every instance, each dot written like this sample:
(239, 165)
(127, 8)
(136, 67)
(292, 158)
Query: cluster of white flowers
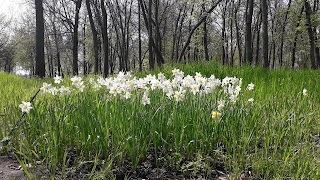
(62, 91)
(177, 88)
(124, 84)
(232, 87)
(48, 88)
(57, 79)
(250, 87)
(78, 83)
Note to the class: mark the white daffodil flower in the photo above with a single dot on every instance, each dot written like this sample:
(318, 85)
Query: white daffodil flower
(25, 107)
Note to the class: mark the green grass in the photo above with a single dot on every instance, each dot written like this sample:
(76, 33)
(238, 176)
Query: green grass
(275, 137)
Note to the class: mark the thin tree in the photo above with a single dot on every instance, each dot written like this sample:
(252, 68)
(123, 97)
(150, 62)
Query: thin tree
(248, 34)
(151, 58)
(105, 39)
(95, 38)
(283, 32)
(75, 38)
(264, 11)
(205, 37)
(140, 43)
(293, 52)
(147, 21)
(40, 63)
(238, 31)
(311, 34)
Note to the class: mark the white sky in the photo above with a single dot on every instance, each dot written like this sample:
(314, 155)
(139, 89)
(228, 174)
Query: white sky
(12, 8)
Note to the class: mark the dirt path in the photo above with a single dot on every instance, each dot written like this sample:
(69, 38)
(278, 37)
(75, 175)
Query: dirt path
(10, 169)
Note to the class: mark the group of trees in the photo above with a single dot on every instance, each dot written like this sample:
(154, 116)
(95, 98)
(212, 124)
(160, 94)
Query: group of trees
(103, 36)
(6, 50)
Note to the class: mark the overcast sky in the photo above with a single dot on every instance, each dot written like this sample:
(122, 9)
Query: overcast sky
(12, 8)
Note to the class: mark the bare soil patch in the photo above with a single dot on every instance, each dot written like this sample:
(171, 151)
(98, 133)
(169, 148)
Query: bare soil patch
(10, 169)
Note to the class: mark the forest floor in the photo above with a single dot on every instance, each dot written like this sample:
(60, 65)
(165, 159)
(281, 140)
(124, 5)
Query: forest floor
(10, 169)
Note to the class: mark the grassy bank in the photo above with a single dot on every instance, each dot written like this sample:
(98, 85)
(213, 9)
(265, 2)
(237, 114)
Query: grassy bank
(275, 135)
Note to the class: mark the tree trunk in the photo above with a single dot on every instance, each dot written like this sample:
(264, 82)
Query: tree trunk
(85, 64)
(205, 40)
(293, 53)
(95, 38)
(140, 43)
(158, 39)
(258, 40)
(189, 47)
(180, 34)
(49, 54)
(57, 47)
(146, 20)
(127, 36)
(238, 32)
(282, 33)
(248, 35)
(231, 11)
(311, 34)
(105, 39)
(223, 34)
(75, 38)
(40, 62)
(317, 49)
(264, 10)
(174, 38)
(151, 58)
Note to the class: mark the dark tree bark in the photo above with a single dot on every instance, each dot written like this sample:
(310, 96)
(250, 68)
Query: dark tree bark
(95, 38)
(140, 43)
(248, 35)
(311, 34)
(75, 38)
(40, 62)
(158, 38)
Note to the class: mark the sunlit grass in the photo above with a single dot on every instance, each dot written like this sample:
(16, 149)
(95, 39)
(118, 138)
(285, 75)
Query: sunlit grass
(271, 131)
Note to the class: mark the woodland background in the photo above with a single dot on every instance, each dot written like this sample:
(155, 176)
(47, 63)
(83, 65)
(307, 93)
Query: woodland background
(65, 37)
